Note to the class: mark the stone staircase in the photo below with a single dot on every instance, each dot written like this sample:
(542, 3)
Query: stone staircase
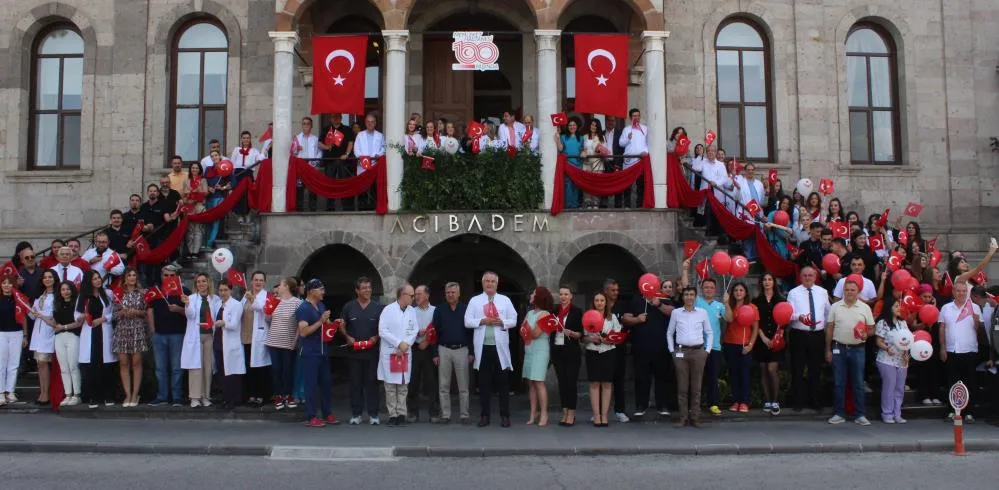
(241, 238)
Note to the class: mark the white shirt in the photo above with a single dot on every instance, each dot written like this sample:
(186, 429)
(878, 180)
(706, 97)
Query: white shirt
(745, 194)
(532, 142)
(415, 140)
(99, 266)
(798, 298)
(689, 328)
(423, 319)
(961, 336)
(635, 142)
(72, 273)
(308, 147)
(697, 163)
(238, 161)
(714, 172)
(504, 134)
(610, 325)
(867, 294)
(368, 144)
(474, 315)
(207, 163)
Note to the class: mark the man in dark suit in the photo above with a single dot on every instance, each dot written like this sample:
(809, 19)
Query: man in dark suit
(612, 135)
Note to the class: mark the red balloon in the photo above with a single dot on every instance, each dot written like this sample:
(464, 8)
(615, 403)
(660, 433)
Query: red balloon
(928, 314)
(830, 263)
(900, 279)
(783, 312)
(593, 321)
(922, 335)
(740, 266)
(781, 218)
(721, 262)
(224, 168)
(745, 315)
(913, 284)
(648, 285)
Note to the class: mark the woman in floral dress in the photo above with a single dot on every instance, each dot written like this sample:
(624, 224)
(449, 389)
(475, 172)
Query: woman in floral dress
(129, 339)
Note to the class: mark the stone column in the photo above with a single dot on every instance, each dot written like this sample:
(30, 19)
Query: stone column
(395, 110)
(547, 41)
(284, 76)
(655, 110)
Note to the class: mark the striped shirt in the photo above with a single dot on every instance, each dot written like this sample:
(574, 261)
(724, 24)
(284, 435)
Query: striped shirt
(284, 330)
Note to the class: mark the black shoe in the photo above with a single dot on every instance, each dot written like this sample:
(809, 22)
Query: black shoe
(43, 403)
(484, 421)
(505, 422)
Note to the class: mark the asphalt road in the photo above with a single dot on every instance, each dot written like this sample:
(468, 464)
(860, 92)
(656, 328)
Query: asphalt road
(876, 471)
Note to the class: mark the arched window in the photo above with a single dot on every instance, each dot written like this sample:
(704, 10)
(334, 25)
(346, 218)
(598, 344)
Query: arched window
(199, 85)
(742, 56)
(871, 81)
(56, 99)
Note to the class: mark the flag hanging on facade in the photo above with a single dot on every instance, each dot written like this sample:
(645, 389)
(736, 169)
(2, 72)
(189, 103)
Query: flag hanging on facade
(602, 74)
(338, 66)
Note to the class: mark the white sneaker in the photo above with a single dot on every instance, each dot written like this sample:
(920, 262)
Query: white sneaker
(65, 402)
(775, 409)
(900, 420)
(74, 401)
(766, 407)
(937, 402)
(836, 419)
(867, 388)
(195, 403)
(206, 402)
(664, 413)
(3, 401)
(11, 398)
(374, 421)
(355, 421)
(638, 414)
(861, 421)
(621, 417)
(108, 404)
(888, 421)
(927, 402)
(92, 406)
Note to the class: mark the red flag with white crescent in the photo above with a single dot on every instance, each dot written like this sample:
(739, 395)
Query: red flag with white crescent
(602, 73)
(338, 69)
(966, 311)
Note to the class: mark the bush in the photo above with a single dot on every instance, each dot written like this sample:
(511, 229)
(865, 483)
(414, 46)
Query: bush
(489, 181)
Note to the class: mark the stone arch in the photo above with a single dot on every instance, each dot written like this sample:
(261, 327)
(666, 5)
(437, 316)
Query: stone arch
(21, 48)
(290, 11)
(338, 266)
(446, 8)
(301, 254)
(529, 254)
(899, 30)
(176, 18)
(644, 255)
(587, 270)
(652, 18)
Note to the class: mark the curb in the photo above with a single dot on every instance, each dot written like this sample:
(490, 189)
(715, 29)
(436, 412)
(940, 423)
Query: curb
(925, 446)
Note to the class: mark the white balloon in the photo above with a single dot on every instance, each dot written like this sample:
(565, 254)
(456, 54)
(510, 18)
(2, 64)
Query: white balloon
(804, 187)
(902, 338)
(221, 260)
(921, 350)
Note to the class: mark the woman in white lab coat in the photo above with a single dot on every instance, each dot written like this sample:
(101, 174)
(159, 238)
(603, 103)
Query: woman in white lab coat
(229, 346)
(95, 309)
(42, 335)
(196, 352)
(257, 356)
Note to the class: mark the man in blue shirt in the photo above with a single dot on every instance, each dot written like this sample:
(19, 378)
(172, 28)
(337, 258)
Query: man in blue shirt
(310, 317)
(716, 311)
(451, 352)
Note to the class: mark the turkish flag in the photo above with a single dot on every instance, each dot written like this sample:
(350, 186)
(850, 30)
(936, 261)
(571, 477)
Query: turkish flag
(172, 286)
(338, 66)
(980, 279)
(399, 363)
(427, 163)
(903, 238)
(753, 207)
(690, 247)
(266, 135)
(702, 269)
(931, 245)
(877, 242)
(894, 262)
(137, 230)
(271, 304)
(710, 137)
(736, 167)
(333, 137)
(152, 295)
(682, 146)
(8, 269)
(559, 119)
(475, 129)
(22, 300)
(913, 209)
(883, 220)
(113, 261)
(329, 330)
(793, 250)
(826, 186)
(772, 176)
(119, 294)
(840, 230)
(236, 278)
(602, 74)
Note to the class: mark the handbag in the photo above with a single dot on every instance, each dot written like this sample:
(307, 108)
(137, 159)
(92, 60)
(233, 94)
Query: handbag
(399, 363)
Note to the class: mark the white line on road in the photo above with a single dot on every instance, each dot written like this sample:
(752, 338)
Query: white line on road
(319, 453)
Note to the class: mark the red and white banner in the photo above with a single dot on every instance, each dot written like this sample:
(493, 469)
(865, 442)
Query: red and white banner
(338, 65)
(602, 74)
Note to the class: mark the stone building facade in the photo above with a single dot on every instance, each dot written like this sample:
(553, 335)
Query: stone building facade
(943, 95)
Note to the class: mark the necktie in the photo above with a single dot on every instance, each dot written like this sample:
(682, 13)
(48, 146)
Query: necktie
(63, 273)
(221, 310)
(206, 309)
(811, 308)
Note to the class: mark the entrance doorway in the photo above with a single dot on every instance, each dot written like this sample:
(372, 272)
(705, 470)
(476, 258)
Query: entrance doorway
(464, 95)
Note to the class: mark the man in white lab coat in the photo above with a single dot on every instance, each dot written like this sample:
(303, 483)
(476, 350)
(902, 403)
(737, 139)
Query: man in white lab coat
(491, 315)
(397, 329)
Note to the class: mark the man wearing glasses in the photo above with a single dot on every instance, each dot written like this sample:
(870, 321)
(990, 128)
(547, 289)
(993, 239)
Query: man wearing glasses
(167, 323)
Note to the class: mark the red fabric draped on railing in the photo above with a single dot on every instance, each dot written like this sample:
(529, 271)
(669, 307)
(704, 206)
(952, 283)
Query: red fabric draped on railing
(321, 185)
(223, 208)
(164, 250)
(679, 194)
(599, 183)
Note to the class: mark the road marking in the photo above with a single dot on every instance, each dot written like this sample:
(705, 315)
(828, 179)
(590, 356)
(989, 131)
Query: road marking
(319, 453)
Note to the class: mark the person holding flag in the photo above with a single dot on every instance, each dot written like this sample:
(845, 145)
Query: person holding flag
(201, 309)
(13, 338)
(960, 323)
(243, 157)
(491, 315)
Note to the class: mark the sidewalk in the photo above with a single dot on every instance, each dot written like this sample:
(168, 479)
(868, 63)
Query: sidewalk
(43, 432)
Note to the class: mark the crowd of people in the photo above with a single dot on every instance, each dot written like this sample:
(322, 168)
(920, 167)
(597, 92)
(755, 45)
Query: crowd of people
(92, 309)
